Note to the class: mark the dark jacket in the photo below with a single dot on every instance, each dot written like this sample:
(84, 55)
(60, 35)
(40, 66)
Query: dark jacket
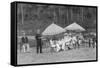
(38, 39)
(24, 40)
(38, 36)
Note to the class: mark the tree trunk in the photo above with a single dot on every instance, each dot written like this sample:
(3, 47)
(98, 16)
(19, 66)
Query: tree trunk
(22, 13)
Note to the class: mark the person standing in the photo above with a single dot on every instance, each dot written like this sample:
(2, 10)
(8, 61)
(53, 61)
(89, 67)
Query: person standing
(25, 44)
(78, 42)
(94, 42)
(39, 42)
(90, 42)
(52, 48)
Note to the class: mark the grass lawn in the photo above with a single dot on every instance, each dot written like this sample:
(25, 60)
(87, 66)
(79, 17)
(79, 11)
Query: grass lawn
(80, 54)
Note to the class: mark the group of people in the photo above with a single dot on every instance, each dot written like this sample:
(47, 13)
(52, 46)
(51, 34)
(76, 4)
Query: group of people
(55, 45)
(25, 47)
(24, 43)
(70, 42)
(92, 42)
(67, 41)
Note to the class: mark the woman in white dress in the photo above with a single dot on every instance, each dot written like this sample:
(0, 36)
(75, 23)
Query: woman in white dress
(52, 48)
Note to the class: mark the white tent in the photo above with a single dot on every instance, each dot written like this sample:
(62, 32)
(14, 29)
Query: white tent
(53, 29)
(75, 27)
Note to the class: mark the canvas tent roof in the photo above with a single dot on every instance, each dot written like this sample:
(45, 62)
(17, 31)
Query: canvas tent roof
(53, 29)
(75, 27)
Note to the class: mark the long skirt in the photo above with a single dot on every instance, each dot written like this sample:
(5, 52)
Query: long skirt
(25, 47)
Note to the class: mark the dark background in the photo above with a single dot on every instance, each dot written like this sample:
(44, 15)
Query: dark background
(33, 16)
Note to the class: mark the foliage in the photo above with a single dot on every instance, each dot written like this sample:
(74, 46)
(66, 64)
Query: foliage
(40, 16)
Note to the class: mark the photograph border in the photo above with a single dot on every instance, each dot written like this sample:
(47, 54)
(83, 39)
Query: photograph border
(14, 33)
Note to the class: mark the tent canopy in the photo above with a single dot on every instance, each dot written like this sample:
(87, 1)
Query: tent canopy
(75, 27)
(53, 29)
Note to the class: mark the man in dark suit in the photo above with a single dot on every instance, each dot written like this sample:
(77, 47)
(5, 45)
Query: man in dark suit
(39, 42)
(25, 44)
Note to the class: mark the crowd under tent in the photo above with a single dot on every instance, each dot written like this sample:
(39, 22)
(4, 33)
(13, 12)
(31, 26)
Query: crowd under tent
(75, 27)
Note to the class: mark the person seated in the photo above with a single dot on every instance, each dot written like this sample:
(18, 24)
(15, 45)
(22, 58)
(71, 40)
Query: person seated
(58, 45)
(61, 44)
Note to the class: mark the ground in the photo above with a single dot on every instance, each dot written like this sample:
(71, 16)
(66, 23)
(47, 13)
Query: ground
(80, 54)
